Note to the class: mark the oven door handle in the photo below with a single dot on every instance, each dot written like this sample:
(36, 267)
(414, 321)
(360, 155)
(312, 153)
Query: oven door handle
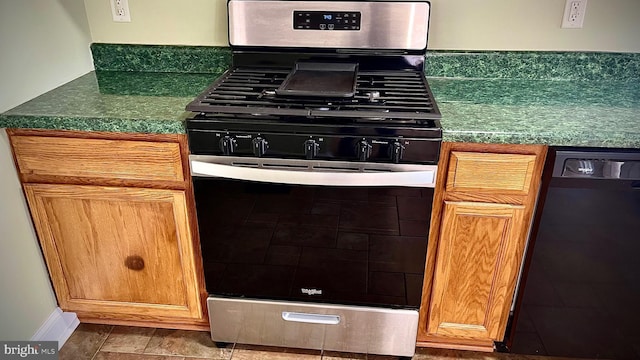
(421, 178)
(311, 318)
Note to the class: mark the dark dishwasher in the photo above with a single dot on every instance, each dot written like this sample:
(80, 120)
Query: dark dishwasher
(581, 293)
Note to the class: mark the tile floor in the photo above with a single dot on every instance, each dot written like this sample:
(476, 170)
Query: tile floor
(105, 342)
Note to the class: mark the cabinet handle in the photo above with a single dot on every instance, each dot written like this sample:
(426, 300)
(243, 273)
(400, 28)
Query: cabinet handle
(134, 262)
(424, 178)
(311, 318)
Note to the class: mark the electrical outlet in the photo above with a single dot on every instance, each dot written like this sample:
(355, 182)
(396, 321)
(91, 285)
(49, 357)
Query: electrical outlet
(574, 14)
(120, 10)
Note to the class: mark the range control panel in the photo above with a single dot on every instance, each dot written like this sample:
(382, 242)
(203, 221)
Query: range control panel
(326, 20)
(320, 147)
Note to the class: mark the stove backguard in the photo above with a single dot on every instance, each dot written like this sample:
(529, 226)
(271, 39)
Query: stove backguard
(379, 25)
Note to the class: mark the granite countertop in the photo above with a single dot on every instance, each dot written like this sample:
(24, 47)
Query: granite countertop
(563, 113)
(145, 102)
(567, 112)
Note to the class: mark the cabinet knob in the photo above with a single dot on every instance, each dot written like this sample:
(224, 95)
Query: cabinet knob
(134, 262)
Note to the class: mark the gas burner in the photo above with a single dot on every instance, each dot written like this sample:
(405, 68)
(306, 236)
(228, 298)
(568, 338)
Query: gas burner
(401, 95)
(267, 94)
(373, 96)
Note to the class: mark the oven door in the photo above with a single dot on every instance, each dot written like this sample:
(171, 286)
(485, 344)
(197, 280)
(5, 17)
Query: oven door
(305, 233)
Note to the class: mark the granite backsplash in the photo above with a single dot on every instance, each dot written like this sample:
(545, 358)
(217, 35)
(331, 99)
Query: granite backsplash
(526, 65)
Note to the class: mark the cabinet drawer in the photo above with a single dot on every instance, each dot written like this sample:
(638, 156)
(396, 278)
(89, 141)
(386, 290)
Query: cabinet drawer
(489, 172)
(98, 158)
(287, 323)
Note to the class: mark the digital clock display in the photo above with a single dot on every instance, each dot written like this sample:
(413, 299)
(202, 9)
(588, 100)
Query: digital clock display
(326, 20)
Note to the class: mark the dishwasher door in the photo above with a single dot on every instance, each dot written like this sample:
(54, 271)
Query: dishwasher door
(581, 293)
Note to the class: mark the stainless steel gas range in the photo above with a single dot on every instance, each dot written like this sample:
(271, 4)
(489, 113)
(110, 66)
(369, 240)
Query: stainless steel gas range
(314, 159)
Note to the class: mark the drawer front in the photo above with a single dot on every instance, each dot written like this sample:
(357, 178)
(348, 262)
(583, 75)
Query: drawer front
(98, 158)
(358, 329)
(488, 172)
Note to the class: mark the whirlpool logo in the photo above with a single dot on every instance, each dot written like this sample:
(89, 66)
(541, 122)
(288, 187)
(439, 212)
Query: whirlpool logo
(311, 291)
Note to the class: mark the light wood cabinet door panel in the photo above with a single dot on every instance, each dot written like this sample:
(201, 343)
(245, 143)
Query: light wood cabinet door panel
(98, 158)
(482, 210)
(474, 271)
(487, 172)
(117, 250)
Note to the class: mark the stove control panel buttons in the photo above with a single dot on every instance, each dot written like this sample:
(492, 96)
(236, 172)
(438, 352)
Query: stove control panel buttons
(326, 20)
(364, 150)
(397, 150)
(260, 146)
(228, 145)
(311, 148)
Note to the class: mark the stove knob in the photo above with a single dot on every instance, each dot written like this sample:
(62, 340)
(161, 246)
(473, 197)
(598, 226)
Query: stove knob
(364, 150)
(311, 148)
(397, 150)
(260, 146)
(227, 145)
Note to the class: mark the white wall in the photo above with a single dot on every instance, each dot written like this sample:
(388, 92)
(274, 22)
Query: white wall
(26, 299)
(610, 25)
(43, 44)
(161, 22)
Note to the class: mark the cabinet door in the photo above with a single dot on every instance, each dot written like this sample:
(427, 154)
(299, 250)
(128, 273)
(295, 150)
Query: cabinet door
(122, 251)
(476, 263)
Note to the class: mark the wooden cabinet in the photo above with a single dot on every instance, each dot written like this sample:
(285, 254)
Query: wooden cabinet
(482, 211)
(102, 159)
(113, 214)
(470, 276)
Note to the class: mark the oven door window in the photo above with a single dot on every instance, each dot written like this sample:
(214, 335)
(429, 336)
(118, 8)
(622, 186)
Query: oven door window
(346, 245)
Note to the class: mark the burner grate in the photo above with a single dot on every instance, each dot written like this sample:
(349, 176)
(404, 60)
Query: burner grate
(393, 95)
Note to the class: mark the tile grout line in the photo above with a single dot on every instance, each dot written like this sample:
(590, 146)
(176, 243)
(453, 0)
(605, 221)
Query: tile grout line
(233, 350)
(102, 343)
(144, 350)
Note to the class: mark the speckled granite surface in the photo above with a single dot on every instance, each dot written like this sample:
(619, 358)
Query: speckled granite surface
(160, 58)
(583, 113)
(595, 103)
(459, 64)
(535, 65)
(113, 101)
